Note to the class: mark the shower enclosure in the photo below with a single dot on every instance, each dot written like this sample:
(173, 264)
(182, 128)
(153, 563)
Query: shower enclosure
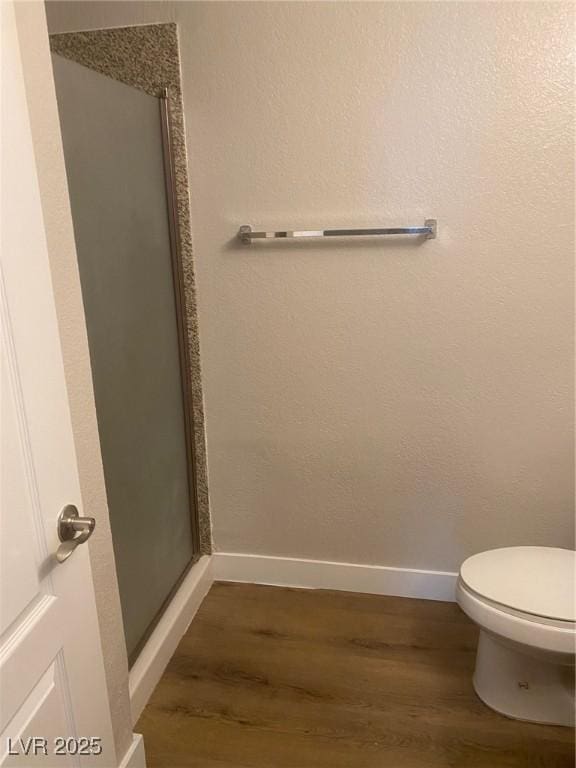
(117, 152)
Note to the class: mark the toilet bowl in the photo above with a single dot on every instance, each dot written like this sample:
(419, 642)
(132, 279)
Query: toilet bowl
(523, 600)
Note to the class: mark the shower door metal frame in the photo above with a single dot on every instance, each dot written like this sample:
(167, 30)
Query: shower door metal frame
(180, 302)
(184, 360)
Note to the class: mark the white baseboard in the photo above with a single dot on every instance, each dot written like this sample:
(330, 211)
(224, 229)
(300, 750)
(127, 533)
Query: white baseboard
(135, 756)
(156, 654)
(321, 574)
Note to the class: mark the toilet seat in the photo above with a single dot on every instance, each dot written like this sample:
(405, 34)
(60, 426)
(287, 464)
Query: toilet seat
(525, 581)
(528, 630)
(530, 617)
(524, 594)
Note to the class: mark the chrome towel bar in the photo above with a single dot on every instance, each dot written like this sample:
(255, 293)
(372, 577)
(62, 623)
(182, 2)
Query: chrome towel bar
(247, 235)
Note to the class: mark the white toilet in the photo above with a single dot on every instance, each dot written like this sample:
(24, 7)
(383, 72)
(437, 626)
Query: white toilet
(523, 600)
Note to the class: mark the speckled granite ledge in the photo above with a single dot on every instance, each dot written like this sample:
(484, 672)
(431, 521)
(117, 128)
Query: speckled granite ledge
(147, 57)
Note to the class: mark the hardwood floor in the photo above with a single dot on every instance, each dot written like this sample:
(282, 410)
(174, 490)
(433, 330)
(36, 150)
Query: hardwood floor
(268, 677)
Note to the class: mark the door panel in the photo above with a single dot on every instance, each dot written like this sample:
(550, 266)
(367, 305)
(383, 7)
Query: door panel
(18, 549)
(43, 712)
(51, 668)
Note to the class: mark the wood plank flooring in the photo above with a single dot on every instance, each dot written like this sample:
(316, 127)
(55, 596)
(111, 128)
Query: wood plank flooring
(268, 677)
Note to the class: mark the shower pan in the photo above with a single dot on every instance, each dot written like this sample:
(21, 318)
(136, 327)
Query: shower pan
(116, 142)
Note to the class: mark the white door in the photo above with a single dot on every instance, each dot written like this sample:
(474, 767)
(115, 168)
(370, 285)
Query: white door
(52, 683)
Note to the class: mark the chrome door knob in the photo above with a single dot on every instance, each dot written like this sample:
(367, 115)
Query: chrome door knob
(72, 530)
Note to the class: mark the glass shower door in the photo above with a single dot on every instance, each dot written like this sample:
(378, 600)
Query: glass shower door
(114, 156)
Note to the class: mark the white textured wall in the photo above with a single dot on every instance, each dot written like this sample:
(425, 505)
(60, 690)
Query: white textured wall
(381, 402)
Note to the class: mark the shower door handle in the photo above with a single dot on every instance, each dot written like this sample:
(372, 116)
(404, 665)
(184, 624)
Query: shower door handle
(72, 530)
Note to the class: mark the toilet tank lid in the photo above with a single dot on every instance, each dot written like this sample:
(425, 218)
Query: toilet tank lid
(535, 580)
